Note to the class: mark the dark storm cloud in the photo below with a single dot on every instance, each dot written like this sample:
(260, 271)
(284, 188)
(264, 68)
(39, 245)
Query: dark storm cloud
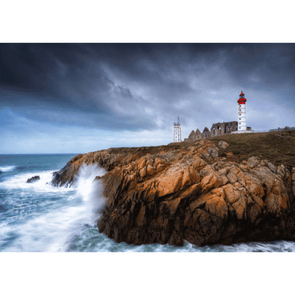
(42, 80)
(137, 86)
(271, 63)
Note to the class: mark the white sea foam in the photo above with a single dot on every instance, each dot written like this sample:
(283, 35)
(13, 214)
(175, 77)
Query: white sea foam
(55, 231)
(19, 181)
(88, 189)
(7, 168)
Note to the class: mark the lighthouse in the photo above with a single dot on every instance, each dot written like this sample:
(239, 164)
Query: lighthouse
(242, 126)
(242, 112)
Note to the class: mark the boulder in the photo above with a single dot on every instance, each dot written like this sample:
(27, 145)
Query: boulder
(33, 179)
(223, 144)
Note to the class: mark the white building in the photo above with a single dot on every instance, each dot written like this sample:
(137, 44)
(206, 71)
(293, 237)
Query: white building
(242, 126)
(177, 132)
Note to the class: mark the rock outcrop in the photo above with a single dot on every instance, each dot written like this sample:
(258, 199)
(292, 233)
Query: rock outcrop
(33, 179)
(171, 194)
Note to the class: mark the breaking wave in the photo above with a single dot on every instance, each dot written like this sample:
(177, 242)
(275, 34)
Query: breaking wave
(7, 168)
(47, 218)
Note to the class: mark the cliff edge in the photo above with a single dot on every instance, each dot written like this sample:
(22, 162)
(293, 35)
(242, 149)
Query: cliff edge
(201, 193)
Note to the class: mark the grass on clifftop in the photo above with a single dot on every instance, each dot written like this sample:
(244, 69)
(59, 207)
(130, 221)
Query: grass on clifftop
(276, 147)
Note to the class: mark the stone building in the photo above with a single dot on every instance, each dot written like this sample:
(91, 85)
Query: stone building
(216, 129)
(206, 133)
(224, 128)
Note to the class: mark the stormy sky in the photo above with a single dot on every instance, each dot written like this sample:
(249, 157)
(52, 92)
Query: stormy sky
(77, 98)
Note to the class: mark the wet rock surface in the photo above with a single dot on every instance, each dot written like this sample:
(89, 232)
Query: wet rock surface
(168, 195)
(33, 179)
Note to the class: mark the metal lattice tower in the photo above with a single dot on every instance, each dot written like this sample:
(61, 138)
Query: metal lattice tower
(177, 132)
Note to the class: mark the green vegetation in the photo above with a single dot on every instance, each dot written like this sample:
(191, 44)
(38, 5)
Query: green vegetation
(276, 147)
(141, 151)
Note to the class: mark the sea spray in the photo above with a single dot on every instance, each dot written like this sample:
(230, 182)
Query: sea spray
(84, 216)
(47, 218)
(90, 189)
(19, 181)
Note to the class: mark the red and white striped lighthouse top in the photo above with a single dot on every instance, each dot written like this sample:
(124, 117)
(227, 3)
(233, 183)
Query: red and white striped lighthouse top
(242, 99)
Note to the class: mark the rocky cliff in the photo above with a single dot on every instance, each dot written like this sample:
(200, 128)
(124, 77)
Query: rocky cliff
(170, 194)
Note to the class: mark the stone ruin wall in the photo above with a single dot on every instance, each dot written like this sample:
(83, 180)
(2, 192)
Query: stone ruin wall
(216, 130)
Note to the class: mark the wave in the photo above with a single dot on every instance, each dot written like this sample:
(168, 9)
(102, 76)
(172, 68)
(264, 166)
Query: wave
(19, 181)
(7, 168)
(55, 230)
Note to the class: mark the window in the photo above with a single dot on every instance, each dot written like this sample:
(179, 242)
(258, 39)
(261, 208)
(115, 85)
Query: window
(239, 123)
(239, 118)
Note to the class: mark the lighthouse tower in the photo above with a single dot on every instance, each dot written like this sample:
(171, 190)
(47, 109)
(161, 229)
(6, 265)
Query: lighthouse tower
(242, 126)
(242, 112)
(177, 132)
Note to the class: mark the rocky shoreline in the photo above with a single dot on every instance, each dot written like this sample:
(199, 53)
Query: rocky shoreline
(170, 194)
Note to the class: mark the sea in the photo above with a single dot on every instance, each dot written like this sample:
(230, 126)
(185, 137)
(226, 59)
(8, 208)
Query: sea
(38, 217)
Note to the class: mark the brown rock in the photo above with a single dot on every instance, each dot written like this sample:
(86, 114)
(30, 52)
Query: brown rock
(240, 207)
(216, 204)
(33, 179)
(150, 170)
(223, 144)
(281, 170)
(232, 177)
(170, 183)
(206, 171)
(141, 163)
(253, 161)
(213, 180)
(143, 172)
(272, 167)
(213, 152)
(232, 195)
(172, 194)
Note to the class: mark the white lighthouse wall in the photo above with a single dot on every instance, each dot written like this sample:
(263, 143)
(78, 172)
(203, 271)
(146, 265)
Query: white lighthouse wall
(177, 133)
(242, 117)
